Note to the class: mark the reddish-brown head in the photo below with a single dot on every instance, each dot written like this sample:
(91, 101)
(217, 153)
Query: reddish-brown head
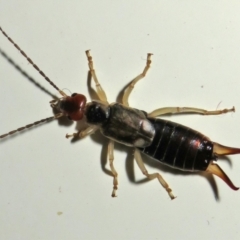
(73, 106)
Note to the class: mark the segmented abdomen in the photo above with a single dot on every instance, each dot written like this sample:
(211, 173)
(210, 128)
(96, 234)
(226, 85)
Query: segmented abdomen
(179, 146)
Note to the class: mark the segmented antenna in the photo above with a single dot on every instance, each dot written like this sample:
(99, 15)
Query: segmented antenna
(45, 77)
(32, 124)
(32, 63)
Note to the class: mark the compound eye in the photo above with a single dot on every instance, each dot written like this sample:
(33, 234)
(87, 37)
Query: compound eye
(74, 94)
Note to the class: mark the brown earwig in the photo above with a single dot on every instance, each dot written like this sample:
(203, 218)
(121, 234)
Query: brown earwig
(170, 143)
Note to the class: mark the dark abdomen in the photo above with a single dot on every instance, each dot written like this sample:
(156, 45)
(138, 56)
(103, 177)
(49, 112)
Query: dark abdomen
(179, 146)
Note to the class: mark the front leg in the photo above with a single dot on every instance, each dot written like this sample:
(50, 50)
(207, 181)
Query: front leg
(100, 92)
(83, 133)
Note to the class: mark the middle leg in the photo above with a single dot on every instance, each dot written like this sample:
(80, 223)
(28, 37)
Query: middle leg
(130, 87)
(114, 172)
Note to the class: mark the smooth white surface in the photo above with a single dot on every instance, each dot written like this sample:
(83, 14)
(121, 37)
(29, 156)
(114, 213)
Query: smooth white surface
(54, 189)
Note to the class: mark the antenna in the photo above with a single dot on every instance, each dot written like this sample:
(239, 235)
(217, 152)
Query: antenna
(45, 77)
(32, 124)
(32, 63)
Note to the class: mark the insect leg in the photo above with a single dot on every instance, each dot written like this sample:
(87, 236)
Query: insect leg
(83, 133)
(174, 110)
(140, 163)
(130, 87)
(115, 174)
(100, 92)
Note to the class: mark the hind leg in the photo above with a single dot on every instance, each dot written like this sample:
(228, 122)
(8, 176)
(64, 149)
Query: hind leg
(175, 110)
(140, 163)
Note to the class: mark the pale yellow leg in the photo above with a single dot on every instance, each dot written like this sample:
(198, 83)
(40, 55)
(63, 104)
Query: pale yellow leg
(140, 163)
(100, 92)
(83, 133)
(115, 174)
(130, 87)
(174, 110)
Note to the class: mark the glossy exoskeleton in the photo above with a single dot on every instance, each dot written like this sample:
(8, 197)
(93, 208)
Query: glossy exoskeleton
(170, 143)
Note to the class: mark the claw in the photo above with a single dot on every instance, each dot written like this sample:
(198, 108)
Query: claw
(216, 170)
(224, 150)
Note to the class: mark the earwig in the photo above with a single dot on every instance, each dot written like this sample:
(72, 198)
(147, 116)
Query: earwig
(170, 143)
